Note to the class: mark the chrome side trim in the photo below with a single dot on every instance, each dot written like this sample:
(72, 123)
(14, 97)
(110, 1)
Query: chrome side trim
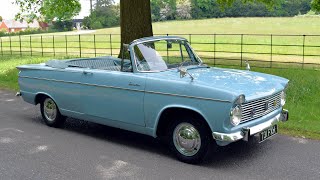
(46, 68)
(87, 84)
(128, 89)
(194, 97)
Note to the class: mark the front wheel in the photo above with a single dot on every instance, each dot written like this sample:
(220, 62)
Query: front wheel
(50, 113)
(191, 140)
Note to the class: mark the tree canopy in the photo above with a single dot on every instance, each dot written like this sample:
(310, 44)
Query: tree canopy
(315, 4)
(198, 9)
(48, 10)
(61, 10)
(104, 14)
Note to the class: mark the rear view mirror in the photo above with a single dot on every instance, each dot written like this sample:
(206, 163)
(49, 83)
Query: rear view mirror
(169, 45)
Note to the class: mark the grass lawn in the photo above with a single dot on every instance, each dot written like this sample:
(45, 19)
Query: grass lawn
(60, 45)
(303, 94)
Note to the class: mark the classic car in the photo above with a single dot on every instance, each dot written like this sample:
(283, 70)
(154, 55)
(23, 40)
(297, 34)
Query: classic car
(160, 88)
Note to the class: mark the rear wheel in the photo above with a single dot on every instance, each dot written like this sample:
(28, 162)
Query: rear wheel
(190, 140)
(50, 113)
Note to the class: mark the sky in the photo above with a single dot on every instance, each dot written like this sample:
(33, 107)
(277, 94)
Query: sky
(8, 10)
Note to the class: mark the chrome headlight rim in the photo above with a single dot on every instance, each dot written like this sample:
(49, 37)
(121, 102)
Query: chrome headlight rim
(240, 100)
(236, 115)
(283, 97)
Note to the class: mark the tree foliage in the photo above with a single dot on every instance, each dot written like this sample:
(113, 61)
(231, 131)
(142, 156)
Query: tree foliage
(105, 14)
(47, 10)
(225, 3)
(163, 10)
(235, 8)
(61, 10)
(183, 9)
(315, 4)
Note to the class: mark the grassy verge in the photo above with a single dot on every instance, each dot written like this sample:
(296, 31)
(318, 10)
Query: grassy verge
(302, 95)
(8, 71)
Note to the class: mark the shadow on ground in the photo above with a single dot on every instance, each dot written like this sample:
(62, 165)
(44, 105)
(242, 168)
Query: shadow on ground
(235, 154)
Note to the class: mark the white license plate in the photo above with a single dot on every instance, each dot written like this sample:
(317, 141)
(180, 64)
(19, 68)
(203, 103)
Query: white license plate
(267, 133)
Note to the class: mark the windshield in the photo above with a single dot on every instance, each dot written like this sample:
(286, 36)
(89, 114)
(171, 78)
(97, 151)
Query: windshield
(163, 55)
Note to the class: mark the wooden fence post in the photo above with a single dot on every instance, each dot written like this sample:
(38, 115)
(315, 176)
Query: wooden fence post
(214, 49)
(111, 44)
(66, 38)
(53, 47)
(41, 46)
(94, 45)
(20, 46)
(80, 45)
(303, 49)
(271, 52)
(30, 43)
(241, 49)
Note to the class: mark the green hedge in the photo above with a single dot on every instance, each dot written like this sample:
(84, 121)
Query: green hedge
(25, 32)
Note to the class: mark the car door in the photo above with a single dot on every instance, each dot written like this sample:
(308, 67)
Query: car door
(114, 96)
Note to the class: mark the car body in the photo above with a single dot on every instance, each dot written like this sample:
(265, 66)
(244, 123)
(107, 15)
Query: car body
(144, 93)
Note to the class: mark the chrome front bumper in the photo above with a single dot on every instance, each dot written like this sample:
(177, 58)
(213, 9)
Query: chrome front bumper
(245, 133)
(18, 94)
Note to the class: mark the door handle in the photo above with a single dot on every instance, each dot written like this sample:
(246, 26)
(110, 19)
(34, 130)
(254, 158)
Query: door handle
(132, 84)
(87, 72)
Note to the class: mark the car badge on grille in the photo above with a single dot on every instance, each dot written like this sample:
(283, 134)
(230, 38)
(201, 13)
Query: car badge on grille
(266, 106)
(253, 112)
(275, 103)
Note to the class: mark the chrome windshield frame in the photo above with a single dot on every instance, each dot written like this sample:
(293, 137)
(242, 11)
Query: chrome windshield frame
(154, 39)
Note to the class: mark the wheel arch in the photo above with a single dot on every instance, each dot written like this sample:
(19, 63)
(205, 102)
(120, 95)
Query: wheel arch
(162, 122)
(40, 96)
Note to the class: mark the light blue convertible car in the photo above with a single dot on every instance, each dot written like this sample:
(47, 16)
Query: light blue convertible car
(160, 88)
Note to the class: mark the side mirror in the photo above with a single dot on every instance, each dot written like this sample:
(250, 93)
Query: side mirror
(184, 72)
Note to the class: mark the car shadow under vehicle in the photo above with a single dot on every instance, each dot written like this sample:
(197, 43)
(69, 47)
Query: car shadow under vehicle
(235, 154)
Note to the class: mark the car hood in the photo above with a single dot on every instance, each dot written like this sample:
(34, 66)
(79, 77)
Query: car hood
(252, 84)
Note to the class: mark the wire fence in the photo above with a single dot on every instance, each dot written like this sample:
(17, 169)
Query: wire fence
(262, 50)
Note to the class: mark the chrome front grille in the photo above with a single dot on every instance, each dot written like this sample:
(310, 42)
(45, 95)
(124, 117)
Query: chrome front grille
(260, 107)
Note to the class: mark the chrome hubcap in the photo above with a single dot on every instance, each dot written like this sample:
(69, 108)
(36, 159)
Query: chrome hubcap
(186, 139)
(50, 109)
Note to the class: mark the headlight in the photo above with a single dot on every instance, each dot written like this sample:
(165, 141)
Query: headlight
(236, 115)
(283, 98)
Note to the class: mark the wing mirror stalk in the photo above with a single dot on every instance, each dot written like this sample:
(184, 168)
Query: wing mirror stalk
(184, 72)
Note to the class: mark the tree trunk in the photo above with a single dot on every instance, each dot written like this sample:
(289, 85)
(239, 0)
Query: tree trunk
(91, 7)
(135, 20)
